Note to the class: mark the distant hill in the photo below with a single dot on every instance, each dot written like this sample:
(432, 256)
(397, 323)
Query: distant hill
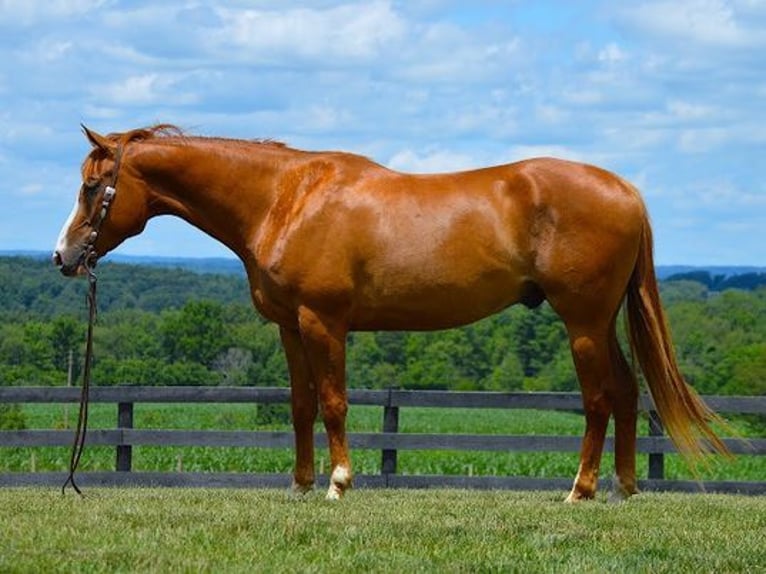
(218, 265)
(721, 282)
(215, 265)
(668, 271)
(232, 266)
(31, 285)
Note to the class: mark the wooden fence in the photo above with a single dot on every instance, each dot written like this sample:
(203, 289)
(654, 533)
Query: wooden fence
(389, 441)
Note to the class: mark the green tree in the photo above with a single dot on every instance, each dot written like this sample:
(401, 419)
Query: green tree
(747, 370)
(508, 375)
(67, 334)
(438, 360)
(536, 337)
(196, 333)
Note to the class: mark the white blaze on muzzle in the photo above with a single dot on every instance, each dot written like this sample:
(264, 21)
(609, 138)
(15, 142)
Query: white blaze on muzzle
(61, 242)
(88, 252)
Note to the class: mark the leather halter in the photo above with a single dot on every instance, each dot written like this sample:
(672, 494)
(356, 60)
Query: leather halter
(90, 255)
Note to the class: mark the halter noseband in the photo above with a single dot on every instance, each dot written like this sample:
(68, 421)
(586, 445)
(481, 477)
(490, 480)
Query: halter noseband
(89, 254)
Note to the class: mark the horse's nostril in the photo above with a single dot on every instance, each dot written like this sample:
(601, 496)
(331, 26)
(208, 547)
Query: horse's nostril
(57, 259)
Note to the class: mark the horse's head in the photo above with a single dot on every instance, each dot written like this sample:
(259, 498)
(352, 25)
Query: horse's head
(105, 212)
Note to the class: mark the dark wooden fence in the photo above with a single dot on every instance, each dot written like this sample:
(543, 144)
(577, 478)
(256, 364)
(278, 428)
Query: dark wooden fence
(389, 441)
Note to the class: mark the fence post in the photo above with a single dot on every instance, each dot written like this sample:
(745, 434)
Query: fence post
(656, 459)
(124, 452)
(390, 425)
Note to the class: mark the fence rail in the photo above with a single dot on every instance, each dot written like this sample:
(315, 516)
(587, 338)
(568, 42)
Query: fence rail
(389, 441)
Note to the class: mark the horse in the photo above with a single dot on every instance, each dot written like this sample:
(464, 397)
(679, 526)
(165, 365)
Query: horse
(333, 242)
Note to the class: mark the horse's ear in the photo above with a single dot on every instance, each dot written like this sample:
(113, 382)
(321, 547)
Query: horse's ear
(97, 140)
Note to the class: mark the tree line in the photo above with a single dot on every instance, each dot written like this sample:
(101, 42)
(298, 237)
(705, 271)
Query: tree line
(160, 326)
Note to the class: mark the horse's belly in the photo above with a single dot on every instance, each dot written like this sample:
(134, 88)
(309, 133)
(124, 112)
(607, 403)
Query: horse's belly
(430, 305)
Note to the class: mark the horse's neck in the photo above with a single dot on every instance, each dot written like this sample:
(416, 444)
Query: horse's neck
(224, 192)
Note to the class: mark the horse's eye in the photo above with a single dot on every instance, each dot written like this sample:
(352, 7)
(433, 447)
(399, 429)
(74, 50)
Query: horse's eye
(90, 186)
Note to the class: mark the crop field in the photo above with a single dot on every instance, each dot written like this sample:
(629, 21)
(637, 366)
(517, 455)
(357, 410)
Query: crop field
(262, 530)
(361, 419)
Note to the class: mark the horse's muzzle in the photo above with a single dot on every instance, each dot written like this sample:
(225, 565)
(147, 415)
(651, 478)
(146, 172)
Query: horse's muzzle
(69, 268)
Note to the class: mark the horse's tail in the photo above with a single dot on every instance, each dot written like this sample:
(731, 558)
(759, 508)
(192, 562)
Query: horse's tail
(684, 415)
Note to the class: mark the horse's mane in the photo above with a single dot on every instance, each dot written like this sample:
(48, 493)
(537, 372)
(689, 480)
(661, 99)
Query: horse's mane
(173, 131)
(168, 132)
(151, 132)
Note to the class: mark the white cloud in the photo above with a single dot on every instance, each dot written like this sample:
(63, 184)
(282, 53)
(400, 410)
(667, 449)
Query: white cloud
(723, 193)
(353, 31)
(740, 228)
(431, 161)
(688, 111)
(487, 119)
(551, 114)
(141, 89)
(144, 89)
(442, 52)
(326, 118)
(612, 53)
(680, 116)
(28, 12)
(698, 141)
(100, 112)
(585, 96)
(48, 50)
(700, 22)
(32, 189)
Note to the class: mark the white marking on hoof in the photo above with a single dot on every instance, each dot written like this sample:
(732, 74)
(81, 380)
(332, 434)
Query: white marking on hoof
(574, 496)
(339, 482)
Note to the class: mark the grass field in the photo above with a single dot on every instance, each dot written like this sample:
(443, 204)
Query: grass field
(156, 530)
(361, 419)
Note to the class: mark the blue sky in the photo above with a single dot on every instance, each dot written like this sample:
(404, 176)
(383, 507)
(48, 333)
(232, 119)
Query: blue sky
(669, 94)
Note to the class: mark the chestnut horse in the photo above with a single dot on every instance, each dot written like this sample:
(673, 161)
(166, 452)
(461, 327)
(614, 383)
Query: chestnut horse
(333, 242)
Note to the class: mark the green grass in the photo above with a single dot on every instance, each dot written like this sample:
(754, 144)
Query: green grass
(361, 419)
(156, 530)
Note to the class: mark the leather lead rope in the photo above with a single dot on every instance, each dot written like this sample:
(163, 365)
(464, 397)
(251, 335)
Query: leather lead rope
(82, 420)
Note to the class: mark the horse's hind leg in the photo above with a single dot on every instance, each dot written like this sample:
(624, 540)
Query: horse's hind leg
(590, 351)
(608, 387)
(624, 393)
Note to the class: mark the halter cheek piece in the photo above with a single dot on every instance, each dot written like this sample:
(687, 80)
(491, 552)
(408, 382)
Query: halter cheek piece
(89, 252)
(89, 255)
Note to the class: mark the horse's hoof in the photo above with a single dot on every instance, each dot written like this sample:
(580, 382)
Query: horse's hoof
(340, 481)
(576, 496)
(300, 491)
(334, 493)
(620, 493)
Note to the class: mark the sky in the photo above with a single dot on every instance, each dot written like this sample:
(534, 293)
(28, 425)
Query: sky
(670, 94)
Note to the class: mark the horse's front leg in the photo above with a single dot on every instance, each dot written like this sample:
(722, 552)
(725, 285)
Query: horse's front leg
(304, 409)
(324, 340)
